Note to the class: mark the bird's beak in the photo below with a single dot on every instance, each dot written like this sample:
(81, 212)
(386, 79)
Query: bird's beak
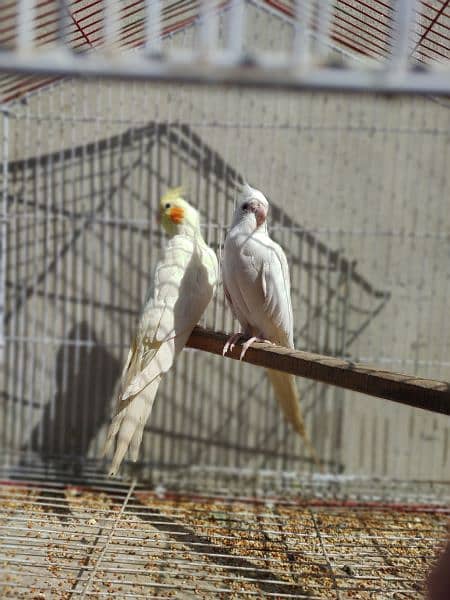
(176, 214)
(260, 212)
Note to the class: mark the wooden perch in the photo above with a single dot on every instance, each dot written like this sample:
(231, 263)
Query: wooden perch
(407, 389)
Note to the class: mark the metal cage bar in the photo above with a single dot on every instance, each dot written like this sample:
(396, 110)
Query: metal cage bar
(4, 115)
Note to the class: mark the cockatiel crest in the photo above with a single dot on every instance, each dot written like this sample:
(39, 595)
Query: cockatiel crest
(184, 282)
(249, 192)
(172, 194)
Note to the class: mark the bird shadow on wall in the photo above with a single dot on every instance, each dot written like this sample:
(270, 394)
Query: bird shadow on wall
(85, 373)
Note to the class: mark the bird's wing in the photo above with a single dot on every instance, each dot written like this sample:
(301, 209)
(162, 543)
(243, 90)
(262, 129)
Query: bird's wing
(256, 279)
(185, 279)
(276, 284)
(236, 301)
(212, 265)
(239, 272)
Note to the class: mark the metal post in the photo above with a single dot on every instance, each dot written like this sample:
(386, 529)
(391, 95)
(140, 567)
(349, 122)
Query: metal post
(236, 28)
(209, 29)
(111, 27)
(302, 34)
(63, 23)
(324, 14)
(25, 25)
(153, 41)
(403, 20)
(3, 229)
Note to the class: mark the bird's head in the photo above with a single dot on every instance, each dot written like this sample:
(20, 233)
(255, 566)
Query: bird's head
(253, 206)
(177, 215)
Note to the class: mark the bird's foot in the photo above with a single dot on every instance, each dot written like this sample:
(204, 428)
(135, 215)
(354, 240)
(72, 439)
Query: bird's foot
(230, 343)
(249, 342)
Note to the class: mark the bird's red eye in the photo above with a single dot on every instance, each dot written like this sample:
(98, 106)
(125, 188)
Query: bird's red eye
(245, 206)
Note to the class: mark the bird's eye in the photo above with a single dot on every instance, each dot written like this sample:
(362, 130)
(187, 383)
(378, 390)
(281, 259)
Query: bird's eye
(245, 206)
(167, 205)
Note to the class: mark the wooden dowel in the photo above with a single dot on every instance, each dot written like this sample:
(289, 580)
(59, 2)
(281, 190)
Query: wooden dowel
(406, 389)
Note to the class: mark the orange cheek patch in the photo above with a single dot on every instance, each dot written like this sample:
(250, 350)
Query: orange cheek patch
(176, 214)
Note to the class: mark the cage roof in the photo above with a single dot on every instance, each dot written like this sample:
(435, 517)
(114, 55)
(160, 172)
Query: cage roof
(361, 27)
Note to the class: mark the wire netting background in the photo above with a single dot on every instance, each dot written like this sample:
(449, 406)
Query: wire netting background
(359, 195)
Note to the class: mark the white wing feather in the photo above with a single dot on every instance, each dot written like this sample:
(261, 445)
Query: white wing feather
(257, 283)
(277, 291)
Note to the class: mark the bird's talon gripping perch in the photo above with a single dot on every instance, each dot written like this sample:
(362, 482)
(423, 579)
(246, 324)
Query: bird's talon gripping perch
(230, 343)
(249, 342)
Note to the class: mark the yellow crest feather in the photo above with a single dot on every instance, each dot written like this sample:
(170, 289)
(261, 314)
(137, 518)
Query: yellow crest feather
(172, 194)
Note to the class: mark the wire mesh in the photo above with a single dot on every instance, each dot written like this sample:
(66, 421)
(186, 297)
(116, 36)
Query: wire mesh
(97, 538)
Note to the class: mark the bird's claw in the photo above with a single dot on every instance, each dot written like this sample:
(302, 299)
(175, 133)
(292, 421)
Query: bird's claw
(249, 342)
(230, 343)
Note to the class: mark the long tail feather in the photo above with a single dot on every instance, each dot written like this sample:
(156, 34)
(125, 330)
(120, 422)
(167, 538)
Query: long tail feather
(127, 427)
(287, 395)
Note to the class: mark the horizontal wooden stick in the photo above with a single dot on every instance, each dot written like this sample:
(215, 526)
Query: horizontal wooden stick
(407, 389)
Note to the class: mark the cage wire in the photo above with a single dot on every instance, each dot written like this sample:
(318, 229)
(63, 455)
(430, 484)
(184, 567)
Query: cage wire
(224, 501)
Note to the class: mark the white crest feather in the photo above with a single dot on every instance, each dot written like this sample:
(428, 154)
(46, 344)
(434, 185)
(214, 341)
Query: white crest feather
(248, 192)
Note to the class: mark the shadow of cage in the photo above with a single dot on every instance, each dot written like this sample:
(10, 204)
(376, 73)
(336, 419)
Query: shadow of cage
(82, 244)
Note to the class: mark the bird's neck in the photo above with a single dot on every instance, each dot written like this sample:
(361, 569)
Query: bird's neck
(248, 226)
(185, 229)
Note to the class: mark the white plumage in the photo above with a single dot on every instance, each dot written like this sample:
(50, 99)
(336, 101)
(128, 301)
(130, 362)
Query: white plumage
(184, 283)
(257, 286)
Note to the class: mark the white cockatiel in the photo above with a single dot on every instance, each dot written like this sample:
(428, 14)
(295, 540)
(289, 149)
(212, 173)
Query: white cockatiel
(257, 286)
(184, 282)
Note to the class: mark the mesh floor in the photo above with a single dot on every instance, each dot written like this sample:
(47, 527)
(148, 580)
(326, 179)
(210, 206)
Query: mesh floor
(100, 538)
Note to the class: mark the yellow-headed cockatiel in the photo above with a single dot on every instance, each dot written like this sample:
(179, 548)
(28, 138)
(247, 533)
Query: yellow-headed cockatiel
(257, 286)
(184, 282)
